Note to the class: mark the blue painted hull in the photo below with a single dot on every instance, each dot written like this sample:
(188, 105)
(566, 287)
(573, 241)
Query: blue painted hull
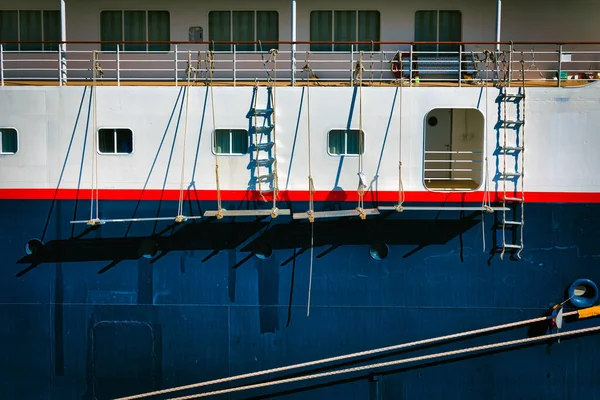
(192, 314)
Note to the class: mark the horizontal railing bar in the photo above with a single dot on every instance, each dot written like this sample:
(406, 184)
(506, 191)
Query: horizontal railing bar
(267, 42)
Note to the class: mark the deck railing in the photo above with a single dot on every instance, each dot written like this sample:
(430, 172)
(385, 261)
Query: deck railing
(294, 63)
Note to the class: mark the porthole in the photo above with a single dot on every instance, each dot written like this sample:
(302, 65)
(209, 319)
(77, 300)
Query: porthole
(583, 293)
(263, 251)
(33, 246)
(379, 251)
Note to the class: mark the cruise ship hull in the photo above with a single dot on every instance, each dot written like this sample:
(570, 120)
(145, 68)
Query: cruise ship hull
(125, 308)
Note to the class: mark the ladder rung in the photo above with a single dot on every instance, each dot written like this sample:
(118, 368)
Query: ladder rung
(513, 223)
(259, 112)
(261, 129)
(509, 148)
(513, 122)
(514, 199)
(514, 95)
(512, 246)
(507, 174)
(265, 177)
(265, 161)
(263, 145)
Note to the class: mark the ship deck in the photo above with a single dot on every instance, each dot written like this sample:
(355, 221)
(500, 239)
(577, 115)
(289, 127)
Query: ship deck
(282, 83)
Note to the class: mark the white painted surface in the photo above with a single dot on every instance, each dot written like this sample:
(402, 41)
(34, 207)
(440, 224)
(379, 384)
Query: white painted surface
(561, 139)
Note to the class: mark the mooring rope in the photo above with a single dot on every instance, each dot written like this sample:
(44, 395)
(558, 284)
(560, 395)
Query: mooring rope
(583, 313)
(393, 363)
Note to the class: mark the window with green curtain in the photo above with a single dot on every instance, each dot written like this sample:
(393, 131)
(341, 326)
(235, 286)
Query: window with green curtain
(267, 28)
(51, 30)
(239, 141)
(30, 23)
(243, 29)
(450, 30)
(354, 142)
(231, 141)
(219, 29)
(159, 30)
(115, 141)
(8, 142)
(111, 29)
(337, 142)
(369, 29)
(426, 31)
(222, 141)
(344, 29)
(321, 30)
(9, 29)
(106, 141)
(346, 142)
(135, 30)
(438, 26)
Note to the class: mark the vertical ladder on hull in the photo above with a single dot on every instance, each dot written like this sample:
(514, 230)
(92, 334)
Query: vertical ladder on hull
(512, 149)
(263, 145)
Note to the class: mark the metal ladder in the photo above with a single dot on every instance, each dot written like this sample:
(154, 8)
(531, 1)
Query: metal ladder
(263, 145)
(512, 177)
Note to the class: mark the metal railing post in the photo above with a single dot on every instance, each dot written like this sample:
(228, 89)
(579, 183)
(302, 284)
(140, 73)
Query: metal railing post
(410, 66)
(118, 66)
(60, 68)
(560, 52)
(176, 66)
(460, 65)
(2, 63)
(234, 64)
(510, 63)
(351, 65)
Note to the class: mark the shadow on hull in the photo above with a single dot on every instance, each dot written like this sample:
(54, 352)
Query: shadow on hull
(256, 238)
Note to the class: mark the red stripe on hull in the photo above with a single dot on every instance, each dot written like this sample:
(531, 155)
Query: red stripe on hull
(238, 195)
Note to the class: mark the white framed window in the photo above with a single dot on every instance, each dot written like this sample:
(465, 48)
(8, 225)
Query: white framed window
(438, 26)
(346, 142)
(453, 149)
(230, 141)
(115, 141)
(9, 141)
(345, 26)
(135, 26)
(30, 26)
(243, 26)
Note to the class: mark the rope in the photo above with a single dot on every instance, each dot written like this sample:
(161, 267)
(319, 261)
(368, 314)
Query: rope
(275, 174)
(311, 186)
(210, 64)
(582, 314)
(361, 176)
(311, 191)
(400, 184)
(97, 70)
(180, 217)
(393, 363)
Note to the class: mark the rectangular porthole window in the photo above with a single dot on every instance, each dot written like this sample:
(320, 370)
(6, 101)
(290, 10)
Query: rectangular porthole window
(38, 30)
(243, 26)
(343, 142)
(344, 26)
(9, 141)
(115, 141)
(135, 26)
(231, 141)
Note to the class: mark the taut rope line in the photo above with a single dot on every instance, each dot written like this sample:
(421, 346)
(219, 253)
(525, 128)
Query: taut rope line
(583, 313)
